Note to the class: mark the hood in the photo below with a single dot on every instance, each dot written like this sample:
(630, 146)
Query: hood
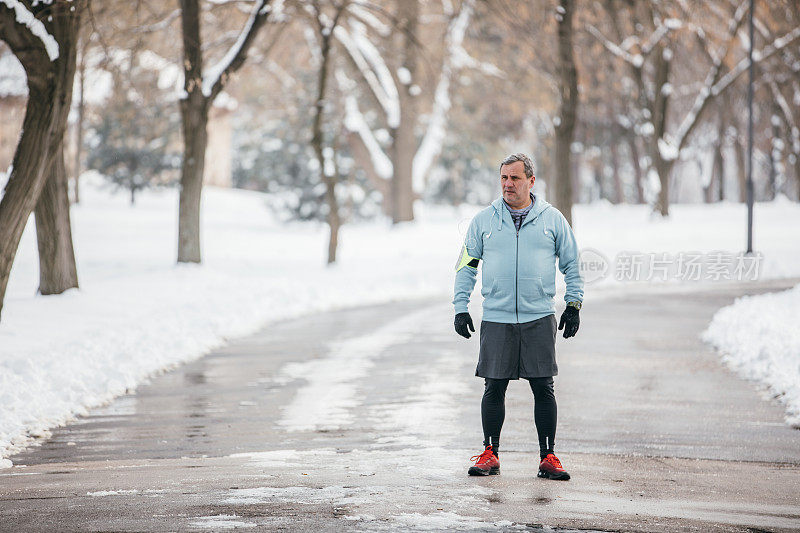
(539, 206)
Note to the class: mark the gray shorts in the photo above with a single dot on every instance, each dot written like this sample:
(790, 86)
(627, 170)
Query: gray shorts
(513, 351)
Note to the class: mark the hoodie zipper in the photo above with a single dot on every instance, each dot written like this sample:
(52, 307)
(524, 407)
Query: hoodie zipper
(516, 267)
(516, 280)
(516, 263)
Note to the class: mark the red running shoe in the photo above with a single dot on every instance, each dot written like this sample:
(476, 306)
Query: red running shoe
(486, 464)
(551, 468)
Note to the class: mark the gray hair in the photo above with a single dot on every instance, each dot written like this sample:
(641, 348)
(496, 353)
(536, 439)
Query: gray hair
(526, 161)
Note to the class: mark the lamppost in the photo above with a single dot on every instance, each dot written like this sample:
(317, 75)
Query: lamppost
(750, 138)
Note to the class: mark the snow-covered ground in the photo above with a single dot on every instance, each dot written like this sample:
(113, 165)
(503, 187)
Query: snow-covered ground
(760, 339)
(138, 313)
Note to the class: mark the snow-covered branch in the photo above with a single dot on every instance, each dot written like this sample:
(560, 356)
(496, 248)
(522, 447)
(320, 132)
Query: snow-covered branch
(373, 69)
(24, 17)
(216, 76)
(160, 25)
(621, 50)
(634, 59)
(354, 121)
(435, 133)
(715, 85)
(660, 32)
(758, 55)
(788, 117)
(383, 87)
(712, 78)
(362, 11)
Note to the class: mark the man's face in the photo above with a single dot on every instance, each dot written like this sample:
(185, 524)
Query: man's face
(516, 186)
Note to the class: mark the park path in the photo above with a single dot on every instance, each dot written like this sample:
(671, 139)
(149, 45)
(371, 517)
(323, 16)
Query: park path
(365, 418)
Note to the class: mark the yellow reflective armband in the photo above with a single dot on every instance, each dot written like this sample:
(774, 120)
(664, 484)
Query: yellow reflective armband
(464, 260)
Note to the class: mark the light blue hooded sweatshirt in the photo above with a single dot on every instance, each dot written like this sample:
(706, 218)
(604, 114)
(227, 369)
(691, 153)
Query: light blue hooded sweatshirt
(519, 268)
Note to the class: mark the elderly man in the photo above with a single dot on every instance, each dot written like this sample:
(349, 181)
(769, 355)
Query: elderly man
(518, 237)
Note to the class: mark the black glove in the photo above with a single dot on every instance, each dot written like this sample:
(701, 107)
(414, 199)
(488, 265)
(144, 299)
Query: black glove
(571, 320)
(461, 322)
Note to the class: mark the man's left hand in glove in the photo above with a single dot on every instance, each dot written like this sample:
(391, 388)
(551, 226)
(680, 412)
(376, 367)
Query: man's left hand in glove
(462, 321)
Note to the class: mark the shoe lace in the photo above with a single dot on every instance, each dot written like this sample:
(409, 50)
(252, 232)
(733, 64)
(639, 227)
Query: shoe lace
(553, 460)
(487, 453)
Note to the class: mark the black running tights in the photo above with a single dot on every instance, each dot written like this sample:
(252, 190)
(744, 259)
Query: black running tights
(493, 411)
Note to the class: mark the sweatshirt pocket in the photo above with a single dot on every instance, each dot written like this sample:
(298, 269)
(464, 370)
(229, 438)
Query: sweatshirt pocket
(501, 295)
(532, 298)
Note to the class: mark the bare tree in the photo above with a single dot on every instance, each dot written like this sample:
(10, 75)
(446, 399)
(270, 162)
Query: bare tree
(391, 80)
(201, 88)
(79, 121)
(324, 26)
(57, 270)
(43, 37)
(567, 107)
(655, 84)
(404, 143)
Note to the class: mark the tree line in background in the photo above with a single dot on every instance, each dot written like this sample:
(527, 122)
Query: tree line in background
(348, 108)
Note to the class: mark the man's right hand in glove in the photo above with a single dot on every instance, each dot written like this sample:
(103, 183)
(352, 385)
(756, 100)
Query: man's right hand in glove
(461, 322)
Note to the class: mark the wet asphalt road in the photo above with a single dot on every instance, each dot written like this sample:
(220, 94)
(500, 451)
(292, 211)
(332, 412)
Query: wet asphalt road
(365, 419)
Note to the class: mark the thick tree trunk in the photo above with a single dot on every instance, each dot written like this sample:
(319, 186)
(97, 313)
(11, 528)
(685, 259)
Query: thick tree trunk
(328, 177)
(568, 107)
(722, 167)
(598, 181)
(402, 186)
(194, 115)
(662, 166)
(194, 122)
(719, 159)
(717, 175)
(49, 97)
(797, 175)
(334, 218)
(637, 167)
(28, 175)
(663, 169)
(79, 128)
(741, 170)
(57, 271)
(404, 143)
(619, 194)
(775, 155)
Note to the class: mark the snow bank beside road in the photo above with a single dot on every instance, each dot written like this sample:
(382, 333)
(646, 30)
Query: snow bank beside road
(138, 313)
(760, 340)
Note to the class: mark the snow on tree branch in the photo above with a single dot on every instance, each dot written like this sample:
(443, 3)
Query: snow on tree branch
(786, 110)
(716, 85)
(712, 78)
(361, 11)
(621, 51)
(432, 142)
(758, 55)
(26, 18)
(355, 122)
(160, 25)
(634, 59)
(373, 69)
(655, 38)
(218, 74)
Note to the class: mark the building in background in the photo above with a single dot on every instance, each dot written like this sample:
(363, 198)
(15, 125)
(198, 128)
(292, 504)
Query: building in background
(218, 171)
(13, 97)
